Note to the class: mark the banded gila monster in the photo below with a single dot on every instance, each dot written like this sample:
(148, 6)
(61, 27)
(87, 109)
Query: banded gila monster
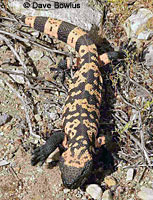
(82, 108)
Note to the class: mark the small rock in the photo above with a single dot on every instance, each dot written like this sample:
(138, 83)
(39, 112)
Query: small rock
(84, 198)
(35, 54)
(95, 191)
(35, 141)
(3, 162)
(107, 195)
(53, 116)
(1, 134)
(83, 16)
(78, 195)
(66, 190)
(110, 181)
(18, 78)
(2, 83)
(43, 63)
(4, 48)
(130, 174)
(145, 35)
(145, 193)
(47, 61)
(54, 156)
(137, 25)
(148, 52)
(4, 118)
(35, 34)
(37, 117)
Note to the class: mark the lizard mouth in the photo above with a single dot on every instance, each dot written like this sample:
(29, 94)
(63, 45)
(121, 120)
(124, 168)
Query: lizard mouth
(75, 185)
(74, 177)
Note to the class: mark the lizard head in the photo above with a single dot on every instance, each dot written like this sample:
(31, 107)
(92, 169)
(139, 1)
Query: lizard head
(75, 165)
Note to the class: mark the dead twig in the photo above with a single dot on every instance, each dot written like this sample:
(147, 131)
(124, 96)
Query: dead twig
(141, 145)
(8, 43)
(126, 102)
(7, 13)
(136, 166)
(13, 172)
(120, 118)
(7, 18)
(122, 112)
(57, 87)
(25, 108)
(50, 50)
(134, 82)
(14, 36)
(143, 88)
(143, 148)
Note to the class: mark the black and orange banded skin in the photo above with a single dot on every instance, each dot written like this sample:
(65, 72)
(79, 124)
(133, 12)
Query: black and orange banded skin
(82, 108)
